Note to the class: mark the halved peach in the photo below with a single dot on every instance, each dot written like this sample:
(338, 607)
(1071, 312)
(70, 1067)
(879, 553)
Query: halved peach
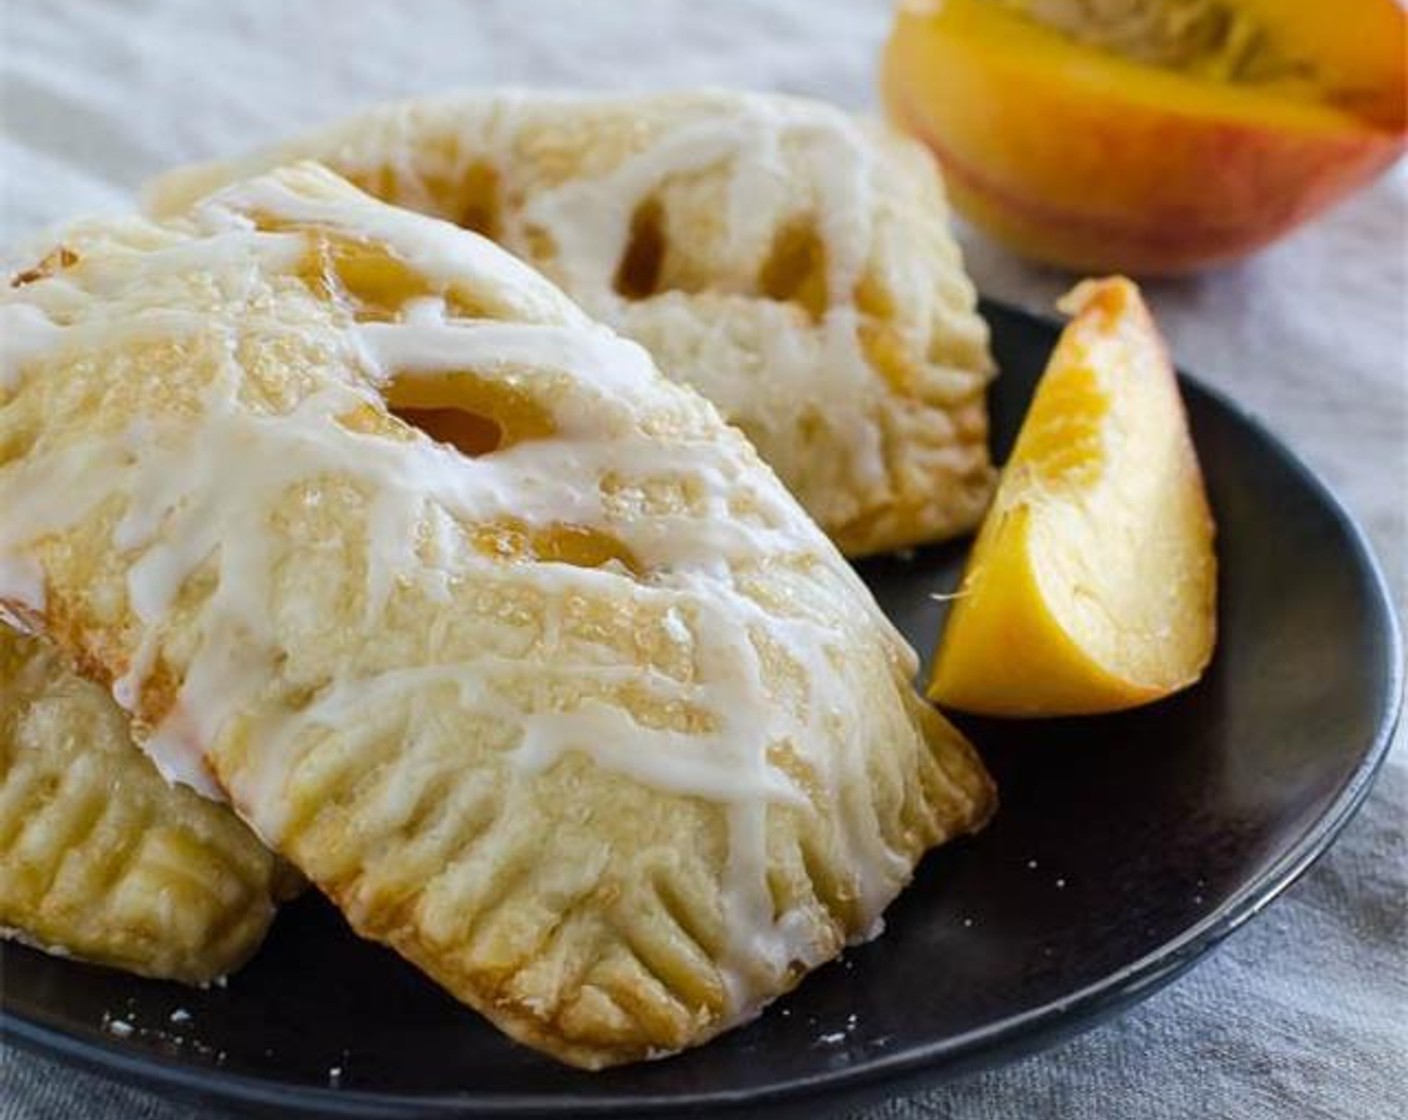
(1092, 583)
(1149, 136)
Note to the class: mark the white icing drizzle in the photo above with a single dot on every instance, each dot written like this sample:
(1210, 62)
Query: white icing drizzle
(197, 493)
(589, 221)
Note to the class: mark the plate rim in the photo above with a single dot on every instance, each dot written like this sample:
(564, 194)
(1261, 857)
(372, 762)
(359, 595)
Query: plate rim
(1037, 1027)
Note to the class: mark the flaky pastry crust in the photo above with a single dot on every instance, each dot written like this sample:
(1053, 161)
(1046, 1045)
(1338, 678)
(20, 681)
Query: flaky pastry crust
(510, 644)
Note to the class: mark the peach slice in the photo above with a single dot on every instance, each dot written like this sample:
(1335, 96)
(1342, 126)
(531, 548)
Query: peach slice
(1149, 136)
(1092, 584)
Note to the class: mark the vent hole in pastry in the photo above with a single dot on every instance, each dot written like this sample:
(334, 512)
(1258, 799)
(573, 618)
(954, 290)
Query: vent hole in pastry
(363, 275)
(476, 415)
(54, 262)
(380, 182)
(476, 200)
(375, 285)
(582, 546)
(638, 273)
(795, 269)
(472, 434)
(437, 185)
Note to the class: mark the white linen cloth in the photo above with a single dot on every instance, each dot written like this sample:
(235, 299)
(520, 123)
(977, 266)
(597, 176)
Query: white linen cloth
(1304, 1012)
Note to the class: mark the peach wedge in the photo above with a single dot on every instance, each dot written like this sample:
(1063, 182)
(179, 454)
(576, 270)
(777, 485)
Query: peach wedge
(1092, 584)
(1149, 136)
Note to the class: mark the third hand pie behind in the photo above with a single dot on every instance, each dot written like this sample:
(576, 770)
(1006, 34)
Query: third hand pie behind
(588, 720)
(101, 859)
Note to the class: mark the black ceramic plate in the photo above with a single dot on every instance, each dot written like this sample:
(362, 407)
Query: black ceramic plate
(1126, 847)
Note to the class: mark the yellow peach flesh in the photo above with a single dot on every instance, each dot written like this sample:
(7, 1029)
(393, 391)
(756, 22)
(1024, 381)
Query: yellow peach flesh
(1075, 154)
(1091, 586)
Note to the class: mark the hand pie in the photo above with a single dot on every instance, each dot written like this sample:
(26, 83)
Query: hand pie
(511, 645)
(99, 858)
(791, 262)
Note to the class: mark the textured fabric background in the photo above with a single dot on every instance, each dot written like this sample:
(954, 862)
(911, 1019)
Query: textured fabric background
(1304, 1013)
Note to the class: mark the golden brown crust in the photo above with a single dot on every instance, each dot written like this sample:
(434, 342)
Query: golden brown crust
(100, 858)
(592, 724)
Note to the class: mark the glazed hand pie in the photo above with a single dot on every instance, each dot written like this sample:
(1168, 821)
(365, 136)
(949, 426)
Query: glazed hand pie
(791, 262)
(511, 645)
(99, 858)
